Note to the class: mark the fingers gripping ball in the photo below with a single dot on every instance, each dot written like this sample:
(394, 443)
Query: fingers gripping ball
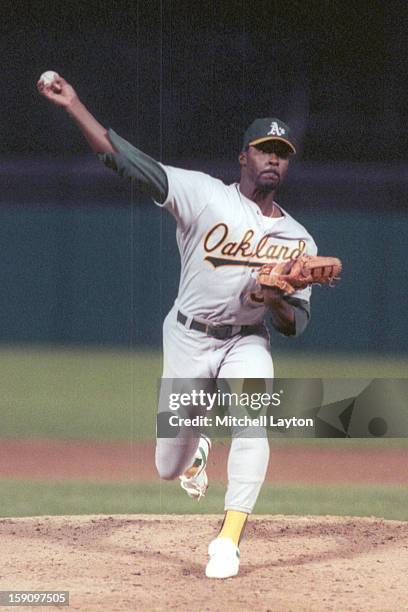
(49, 79)
(298, 274)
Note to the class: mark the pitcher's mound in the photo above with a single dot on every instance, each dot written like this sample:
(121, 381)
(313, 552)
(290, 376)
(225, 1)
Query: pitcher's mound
(157, 562)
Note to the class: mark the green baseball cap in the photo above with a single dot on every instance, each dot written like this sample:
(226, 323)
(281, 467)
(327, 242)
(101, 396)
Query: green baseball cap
(268, 128)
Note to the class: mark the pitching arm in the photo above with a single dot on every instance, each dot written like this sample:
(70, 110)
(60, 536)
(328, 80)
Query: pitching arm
(62, 94)
(114, 151)
(129, 162)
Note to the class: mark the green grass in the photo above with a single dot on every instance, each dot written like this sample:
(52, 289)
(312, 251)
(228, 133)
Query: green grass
(111, 394)
(330, 365)
(74, 394)
(19, 498)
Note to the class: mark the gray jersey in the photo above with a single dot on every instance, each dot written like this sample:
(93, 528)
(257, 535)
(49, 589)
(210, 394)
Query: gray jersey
(223, 239)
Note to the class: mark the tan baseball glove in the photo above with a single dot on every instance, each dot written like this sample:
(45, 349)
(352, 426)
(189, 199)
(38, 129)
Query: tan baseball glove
(299, 273)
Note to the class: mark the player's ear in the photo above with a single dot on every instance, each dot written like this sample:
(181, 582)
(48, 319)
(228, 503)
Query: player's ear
(242, 158)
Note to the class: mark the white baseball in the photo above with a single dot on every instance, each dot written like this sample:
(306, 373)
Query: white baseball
(48, 77)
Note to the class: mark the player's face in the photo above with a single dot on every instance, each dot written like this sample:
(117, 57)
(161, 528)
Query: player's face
(266, 164)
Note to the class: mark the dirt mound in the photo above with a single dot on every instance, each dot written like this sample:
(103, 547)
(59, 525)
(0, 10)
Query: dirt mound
(157, 562)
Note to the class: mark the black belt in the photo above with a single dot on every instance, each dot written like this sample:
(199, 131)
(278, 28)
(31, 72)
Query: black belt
(221, 332)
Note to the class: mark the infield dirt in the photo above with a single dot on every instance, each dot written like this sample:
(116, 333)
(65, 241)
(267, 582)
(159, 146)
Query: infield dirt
(128, 461)
(123, 563)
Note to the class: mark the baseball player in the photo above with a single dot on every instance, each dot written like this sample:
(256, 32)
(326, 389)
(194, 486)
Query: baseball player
(225, 235)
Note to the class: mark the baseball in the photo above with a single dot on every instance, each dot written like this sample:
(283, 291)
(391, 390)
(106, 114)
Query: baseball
(48, 77)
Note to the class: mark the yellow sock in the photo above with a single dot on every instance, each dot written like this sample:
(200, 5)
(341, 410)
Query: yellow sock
(233, 525)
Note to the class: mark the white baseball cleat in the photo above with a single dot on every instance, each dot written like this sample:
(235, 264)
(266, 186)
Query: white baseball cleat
(224, 559)
(194, 480)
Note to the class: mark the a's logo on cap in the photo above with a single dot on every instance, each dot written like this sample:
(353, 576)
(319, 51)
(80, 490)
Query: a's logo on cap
(275, 130)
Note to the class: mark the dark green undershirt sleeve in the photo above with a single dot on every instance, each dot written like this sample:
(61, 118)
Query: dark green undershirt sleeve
(130, 163)
(302, 314)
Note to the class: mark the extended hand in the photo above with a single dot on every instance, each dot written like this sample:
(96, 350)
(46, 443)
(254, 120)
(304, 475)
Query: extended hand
(58, 91)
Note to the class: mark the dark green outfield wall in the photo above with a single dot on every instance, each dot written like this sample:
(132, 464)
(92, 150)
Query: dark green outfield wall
(107, 275)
